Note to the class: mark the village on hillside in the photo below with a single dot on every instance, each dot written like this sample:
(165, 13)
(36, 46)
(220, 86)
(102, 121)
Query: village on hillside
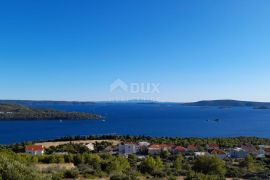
(131, 157)
(142, 149)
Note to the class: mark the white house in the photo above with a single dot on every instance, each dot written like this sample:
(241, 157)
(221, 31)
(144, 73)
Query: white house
(144, 144)
(34, 149)
(90, 146)
(199, 154)
(263, 151)
(127, 148)
(238, 153)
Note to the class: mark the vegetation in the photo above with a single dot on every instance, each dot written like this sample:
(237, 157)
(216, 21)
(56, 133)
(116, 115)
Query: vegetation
(210, 165)
(200, 142)
(19, 112)
(199, 176)
(99, 164)
(12, 168)
(45, 103)
(68, 148)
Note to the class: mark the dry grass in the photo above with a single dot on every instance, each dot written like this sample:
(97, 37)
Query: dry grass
(50, 144)
(58, 167)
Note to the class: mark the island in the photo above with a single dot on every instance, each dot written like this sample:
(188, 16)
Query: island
(228, 103)
(20, 112)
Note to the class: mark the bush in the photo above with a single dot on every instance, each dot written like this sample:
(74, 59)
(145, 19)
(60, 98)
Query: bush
(12, 169)
(118, 165)
(151, 165)
(210, 165)
(234, 172)
(200, 176)
(57, 176)
(73, 173)
(122, 177)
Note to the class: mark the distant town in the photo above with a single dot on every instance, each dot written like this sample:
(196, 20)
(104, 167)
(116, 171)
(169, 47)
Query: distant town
(114, 157)
(142, 149)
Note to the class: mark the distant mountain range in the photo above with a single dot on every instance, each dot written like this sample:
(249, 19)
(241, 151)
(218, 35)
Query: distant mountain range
(230, 103)
(217, 103)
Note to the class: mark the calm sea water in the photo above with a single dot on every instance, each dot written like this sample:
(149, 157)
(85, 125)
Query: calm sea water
(144, 119)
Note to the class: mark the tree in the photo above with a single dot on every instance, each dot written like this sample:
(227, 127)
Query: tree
(151, 165)
(118, 165)
(77, 159)
(73, 173)
(210, 165)
(165, 154)
(101, 146)
(248, 163)
(177, 163)
(159, 164)
(93, 160)
(132, 159)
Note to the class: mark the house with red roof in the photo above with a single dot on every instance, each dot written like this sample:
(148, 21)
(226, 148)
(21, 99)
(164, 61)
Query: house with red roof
(34, 149)
(180, 149)
(155, 149)
(192, 148)
(211, 147)
(219, 153)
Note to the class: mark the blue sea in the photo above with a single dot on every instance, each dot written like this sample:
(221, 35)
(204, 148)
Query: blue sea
(161, 119)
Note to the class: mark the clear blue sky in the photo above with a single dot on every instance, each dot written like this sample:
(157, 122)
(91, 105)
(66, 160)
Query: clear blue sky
(195, 49)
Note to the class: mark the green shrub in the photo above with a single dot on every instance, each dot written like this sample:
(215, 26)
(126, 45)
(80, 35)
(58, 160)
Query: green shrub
(73, 173)
(12, 169)
(200, 176)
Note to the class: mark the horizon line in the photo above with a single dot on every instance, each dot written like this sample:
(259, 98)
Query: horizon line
(130, 100)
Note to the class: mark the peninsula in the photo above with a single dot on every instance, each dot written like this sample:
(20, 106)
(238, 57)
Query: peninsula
(20, 112)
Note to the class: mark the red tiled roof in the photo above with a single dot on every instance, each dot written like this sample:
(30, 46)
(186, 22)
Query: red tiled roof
(192, 147)
(158, 146)
(180, 149)
(217, 152)
(213, 146)
(34, 148)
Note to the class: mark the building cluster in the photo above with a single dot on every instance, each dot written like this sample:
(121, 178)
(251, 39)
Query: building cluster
(191, 151)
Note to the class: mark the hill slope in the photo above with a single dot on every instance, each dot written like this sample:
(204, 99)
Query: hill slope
(19, 112)
(229, 103)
